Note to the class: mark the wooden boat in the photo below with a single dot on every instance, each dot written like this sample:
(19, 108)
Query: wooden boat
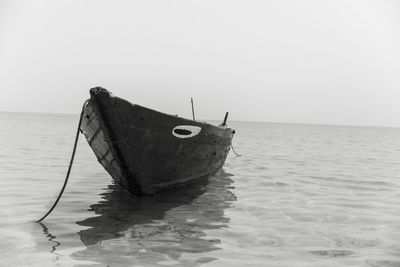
(146, 151)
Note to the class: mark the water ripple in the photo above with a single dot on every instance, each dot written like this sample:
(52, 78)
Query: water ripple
(301, 195)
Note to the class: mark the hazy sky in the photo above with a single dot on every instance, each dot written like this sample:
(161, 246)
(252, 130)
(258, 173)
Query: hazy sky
(335, 62)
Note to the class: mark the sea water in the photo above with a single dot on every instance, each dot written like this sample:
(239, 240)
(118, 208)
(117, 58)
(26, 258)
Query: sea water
(300, 195)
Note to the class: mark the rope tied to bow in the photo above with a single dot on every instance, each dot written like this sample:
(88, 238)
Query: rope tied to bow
(70, 164)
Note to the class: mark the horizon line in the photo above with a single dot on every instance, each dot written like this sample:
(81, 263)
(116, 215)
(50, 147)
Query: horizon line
(205, 120)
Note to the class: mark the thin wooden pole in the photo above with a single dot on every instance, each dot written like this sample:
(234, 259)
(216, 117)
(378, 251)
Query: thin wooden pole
(191, 100)
(226, 117)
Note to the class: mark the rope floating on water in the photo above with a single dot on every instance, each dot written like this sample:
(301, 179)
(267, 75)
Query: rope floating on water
(69, 167)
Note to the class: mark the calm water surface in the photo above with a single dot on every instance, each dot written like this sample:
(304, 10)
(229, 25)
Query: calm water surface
(301, 195)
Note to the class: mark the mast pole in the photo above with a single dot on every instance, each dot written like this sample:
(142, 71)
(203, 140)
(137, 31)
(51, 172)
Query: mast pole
(191, 100)
(226, 117)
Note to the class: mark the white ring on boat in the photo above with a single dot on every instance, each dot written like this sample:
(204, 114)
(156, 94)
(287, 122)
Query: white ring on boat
(186, 131)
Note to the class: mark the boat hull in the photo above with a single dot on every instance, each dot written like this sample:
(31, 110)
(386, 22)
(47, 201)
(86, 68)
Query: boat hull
(146, 151)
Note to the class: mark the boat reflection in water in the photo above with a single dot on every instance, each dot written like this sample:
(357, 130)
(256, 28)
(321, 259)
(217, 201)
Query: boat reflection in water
(157, 230)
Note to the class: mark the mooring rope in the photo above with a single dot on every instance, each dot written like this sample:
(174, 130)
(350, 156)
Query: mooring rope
(235, 151)
(69, 167)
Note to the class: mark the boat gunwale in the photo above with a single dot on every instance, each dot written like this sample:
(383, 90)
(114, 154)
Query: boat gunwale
(206, 124)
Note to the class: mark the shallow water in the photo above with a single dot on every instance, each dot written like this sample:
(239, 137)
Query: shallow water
(301, 195)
